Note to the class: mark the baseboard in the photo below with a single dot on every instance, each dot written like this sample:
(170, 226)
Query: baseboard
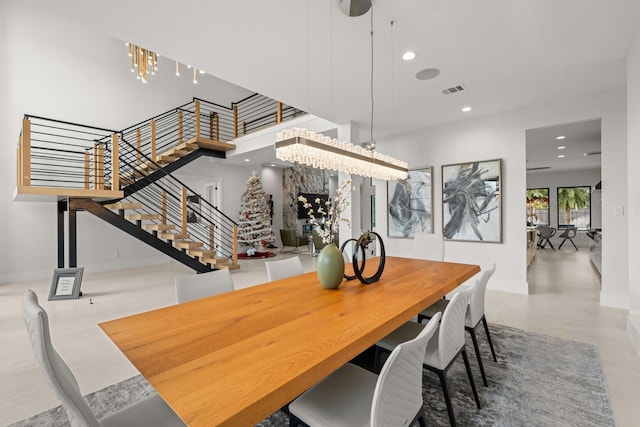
(89, 268)
(633, 329)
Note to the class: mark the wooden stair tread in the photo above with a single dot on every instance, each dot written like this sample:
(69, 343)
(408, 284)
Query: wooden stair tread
(173, 236)
(202, 252)
(123, 205)
(187, 244)
(159, 227)
(140, 217)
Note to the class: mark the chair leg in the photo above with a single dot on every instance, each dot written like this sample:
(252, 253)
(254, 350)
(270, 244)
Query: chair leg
(472, 332)
(560, 247)
(473, 384)
(574, 245)
(486, 330)
(377, 366)
(447, 398)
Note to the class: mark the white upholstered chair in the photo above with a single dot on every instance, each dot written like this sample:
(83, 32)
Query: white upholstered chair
(283, 268)
(428, 246)
(475, 315)
(151, 411)
(447, 343)
(353, 396)
(196, 286)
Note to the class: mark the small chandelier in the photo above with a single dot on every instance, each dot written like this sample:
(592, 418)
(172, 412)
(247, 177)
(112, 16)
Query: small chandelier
(143, 61)
(320, 151)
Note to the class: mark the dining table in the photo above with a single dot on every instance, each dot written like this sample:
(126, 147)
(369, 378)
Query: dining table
(235, 358)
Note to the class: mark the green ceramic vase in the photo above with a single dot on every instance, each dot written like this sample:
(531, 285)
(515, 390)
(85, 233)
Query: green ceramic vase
(330, 267)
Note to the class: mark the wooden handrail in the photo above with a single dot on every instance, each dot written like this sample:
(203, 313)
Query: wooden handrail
(25, 152)
(184, 212)
(279, 112)
(153, 140)
(180, 128)
(234, 248)
(87, 169)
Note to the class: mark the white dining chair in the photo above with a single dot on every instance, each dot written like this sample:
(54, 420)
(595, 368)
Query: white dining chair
(353, 396)
(196, 286)
(428, 246)
(445, 346)
(151, 411)
(283, 268)
(475, 315)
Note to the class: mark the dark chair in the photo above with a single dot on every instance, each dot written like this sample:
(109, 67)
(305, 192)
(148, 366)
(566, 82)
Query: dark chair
(544, 234)
(291, 239)
(568, 234)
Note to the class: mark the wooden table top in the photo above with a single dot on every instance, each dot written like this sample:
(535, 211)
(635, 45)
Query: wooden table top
(235, 358)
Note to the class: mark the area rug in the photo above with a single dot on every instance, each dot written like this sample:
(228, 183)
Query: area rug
(538, 380)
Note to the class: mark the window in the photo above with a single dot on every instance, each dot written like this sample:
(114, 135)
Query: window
(538, 206)
(574, 207)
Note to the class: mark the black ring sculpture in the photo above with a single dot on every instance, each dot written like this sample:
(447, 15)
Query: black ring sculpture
(355, 251)
(359, 269)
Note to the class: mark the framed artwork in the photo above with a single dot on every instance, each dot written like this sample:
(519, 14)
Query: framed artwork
(65, 283)
(409, 204)
(471, 201)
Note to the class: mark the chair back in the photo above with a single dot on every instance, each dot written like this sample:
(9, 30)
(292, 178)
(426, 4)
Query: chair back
(451, 335)
(475, 311)
(284, 268)
(428, 246)
(196, 286)
(569, 232)
(55, 371)
(546, 232)
(398, 394)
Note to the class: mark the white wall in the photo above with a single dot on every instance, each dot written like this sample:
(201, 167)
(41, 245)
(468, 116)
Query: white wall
(633, 179)
(56, 68)
(503, 136)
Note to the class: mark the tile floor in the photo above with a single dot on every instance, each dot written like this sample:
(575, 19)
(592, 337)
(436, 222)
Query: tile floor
(563, 303)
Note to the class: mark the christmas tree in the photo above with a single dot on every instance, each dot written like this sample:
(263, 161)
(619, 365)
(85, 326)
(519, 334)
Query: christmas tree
(254, 219)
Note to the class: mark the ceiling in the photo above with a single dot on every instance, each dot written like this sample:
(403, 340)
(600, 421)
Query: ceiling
(308, 54)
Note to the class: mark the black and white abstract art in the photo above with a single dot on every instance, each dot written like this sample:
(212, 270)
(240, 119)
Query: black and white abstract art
(409, 204)
(471, 205)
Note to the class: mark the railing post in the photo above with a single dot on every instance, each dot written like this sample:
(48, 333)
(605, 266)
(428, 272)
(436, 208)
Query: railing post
(197, 119)
(235, 121)
(153, 140)
(211, 124)
(180, 128)
(25, 151)
(217, 127)
(234, 246)
(98, 159)
(115, 163)
(139, 145)
(87, 168)
(163, 211)
(212, 239)
(184, 211)
(244, 128)
(279, 112)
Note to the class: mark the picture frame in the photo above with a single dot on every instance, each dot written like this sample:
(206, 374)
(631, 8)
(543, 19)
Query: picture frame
(410, 204)
(65, 283)
(472, 201)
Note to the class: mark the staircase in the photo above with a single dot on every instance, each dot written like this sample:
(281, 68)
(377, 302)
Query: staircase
(125, 177)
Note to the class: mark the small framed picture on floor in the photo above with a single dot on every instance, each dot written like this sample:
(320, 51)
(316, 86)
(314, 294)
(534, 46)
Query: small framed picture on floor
(65, 283)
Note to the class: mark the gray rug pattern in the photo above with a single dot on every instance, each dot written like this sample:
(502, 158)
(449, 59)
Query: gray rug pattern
(538, 380)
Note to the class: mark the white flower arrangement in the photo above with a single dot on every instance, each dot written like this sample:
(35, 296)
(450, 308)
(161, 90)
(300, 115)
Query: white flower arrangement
(330, 213)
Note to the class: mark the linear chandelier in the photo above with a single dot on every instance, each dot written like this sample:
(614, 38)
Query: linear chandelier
(320, 151)
(144, 61)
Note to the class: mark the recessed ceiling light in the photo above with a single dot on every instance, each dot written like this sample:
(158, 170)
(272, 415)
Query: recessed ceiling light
(560, 156)
(272, 165)
(408, 56)
(562, 147)
(427, 74)
(247, 160)
(466, 109)
(560, 137)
